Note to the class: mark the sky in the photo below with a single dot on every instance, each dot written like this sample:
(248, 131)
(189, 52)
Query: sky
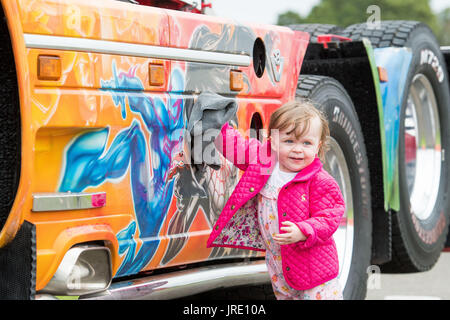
(266, 11)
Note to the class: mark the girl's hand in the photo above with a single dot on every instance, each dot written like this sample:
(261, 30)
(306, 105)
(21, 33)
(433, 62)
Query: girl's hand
(292, 234)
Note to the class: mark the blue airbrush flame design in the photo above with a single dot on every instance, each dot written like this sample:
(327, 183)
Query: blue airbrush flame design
(88, 161)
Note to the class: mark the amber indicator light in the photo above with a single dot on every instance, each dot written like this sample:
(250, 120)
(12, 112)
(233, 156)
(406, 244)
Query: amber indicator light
(49, 67)
(236, 80)
(382, 74)
(156, 74)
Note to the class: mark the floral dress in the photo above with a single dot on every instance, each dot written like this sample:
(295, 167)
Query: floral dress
(268, 224)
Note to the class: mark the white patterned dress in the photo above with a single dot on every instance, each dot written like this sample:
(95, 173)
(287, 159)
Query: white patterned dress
(268, 224)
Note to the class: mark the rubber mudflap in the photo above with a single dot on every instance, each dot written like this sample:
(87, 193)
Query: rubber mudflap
(18, 265)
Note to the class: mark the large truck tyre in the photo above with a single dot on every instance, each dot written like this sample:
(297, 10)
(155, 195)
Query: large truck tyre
(420, 227)
(315, 29)
(347, 162)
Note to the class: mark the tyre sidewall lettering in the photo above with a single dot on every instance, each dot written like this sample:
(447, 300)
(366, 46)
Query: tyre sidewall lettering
(427, 56)
(342, 129)
(427, 232)
(332, 99)
(340, 119)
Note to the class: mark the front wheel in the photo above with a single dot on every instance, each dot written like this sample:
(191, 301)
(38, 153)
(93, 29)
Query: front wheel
(347, 162)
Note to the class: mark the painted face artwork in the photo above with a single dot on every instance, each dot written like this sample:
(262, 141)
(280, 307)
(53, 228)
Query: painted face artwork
(294, 154)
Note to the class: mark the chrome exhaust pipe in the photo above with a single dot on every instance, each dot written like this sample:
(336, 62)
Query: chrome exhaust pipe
(84, 269)
(184, 283)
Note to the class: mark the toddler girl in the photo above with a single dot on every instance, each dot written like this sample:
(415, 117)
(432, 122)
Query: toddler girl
(285, 203)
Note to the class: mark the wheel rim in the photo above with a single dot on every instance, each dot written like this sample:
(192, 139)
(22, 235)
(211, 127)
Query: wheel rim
(422, 147)
(336, 166)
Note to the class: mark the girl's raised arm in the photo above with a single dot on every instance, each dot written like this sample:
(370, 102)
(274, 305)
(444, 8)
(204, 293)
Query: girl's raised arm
(240, 151)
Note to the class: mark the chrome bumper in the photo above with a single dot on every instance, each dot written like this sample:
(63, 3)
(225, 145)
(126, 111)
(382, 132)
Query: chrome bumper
(184, 283)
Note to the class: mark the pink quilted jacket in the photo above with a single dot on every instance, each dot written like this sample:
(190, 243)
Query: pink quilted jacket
(312, 200)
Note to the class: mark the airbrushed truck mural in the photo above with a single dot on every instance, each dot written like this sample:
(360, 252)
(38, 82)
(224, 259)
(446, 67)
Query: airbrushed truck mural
(99, 178)
(148, 154)
(101, 127)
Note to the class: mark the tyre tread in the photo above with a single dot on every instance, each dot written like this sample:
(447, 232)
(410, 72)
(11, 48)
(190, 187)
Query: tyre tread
(315, 29)
(392, 33)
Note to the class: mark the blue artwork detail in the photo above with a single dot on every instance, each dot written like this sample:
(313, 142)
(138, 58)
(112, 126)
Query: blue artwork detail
(396, 61)
(89, 162)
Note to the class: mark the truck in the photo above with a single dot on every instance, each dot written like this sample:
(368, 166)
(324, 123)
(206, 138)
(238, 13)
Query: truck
(101, 198)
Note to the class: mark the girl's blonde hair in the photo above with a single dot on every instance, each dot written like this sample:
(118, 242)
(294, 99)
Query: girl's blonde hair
(299, 114)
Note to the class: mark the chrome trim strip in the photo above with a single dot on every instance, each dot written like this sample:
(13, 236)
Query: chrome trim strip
(186, 283)
(68, 201)
(446, 48)
(130, 49)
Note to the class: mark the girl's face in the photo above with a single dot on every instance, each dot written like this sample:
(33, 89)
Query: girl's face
(295, 154)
